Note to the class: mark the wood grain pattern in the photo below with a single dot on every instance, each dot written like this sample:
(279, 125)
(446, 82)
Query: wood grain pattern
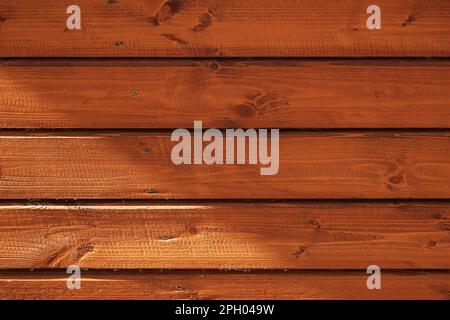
(219, 235)
(224, 94)
(188, 28)
(139, 166)
(356, 185)
(195, 285)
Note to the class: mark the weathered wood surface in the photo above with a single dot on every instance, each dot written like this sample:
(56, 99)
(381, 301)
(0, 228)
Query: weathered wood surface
(218, 235)
(188, 28)
(224, 94)
(225, 285)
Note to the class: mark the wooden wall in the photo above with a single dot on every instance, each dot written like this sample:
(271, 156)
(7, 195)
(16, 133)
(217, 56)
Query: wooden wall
(86, 176)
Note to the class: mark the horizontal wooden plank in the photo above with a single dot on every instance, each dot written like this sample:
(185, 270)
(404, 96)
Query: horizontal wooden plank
(188, 28)
(386, 164)
(224, 94)
(222, 235)
(195, 285)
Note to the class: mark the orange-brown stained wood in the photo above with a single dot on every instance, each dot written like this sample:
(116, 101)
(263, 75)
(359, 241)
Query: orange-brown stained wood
(225, 94)
(188, 28)
(386, 164)
(195, 285)
(217, 235)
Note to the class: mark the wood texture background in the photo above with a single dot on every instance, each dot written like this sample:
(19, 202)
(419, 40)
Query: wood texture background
(86, 176)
